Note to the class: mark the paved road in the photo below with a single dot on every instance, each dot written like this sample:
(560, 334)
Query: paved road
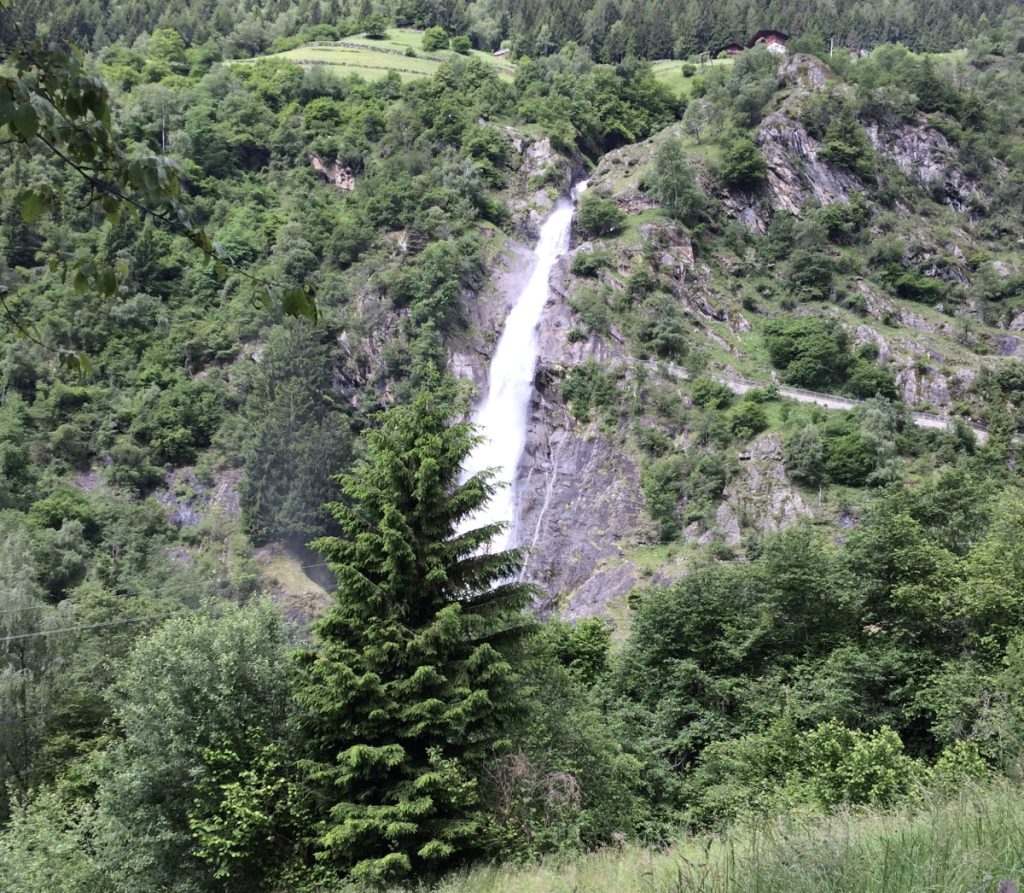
(828, 401)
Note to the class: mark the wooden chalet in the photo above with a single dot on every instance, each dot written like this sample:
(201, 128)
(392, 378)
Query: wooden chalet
(730, 49)
(774, 41)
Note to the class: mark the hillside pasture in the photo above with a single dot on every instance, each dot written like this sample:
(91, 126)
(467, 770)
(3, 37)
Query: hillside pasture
(374, 59)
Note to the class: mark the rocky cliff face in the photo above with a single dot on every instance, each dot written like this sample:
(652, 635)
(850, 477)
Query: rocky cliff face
(581, 511)
(579, 504)
(795, 173)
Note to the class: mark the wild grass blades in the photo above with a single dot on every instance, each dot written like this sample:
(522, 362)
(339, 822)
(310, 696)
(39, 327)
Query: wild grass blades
(969, 843)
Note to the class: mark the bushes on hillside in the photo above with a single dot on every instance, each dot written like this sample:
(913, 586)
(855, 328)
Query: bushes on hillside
(589, 387)
(742, 163)
(672, 182)
(810, 352)
(599, 217)
(434, 39)
(680, 489)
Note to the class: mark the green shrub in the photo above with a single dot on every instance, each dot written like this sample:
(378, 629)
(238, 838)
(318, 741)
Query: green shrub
(710, 394)
(847, 460)
(672, 182)
(599, 217)
(842, 221)
(653, 441)
(680, 489)
(810, 352)
(914, 286)
(869, 379)
(375, 26)
(434, 39)
(587, 387)
(804, 455)
(848, 766)
(64, 504)
(747, 418)
(590, 306)
(461, 44)
(742, 163)
(661, 327)
(180, 420)
(492, 152)
(846, 145)
(810, 275)
(589, 263)
(130, 468)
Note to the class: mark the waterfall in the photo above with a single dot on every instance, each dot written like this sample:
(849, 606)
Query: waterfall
(502, 418)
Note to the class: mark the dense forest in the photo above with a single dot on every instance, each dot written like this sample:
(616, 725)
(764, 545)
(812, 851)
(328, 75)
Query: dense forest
(214, 355)
(609, 29)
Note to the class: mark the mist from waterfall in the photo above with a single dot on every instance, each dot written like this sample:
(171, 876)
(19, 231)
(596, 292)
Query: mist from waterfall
(502, 418)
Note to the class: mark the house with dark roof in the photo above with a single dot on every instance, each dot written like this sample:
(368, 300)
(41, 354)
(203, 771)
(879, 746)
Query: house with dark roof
(730, 49)
(773, 41)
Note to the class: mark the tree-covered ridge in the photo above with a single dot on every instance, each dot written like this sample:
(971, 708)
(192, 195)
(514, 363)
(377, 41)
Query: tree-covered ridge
(847, 226)
(609, 29)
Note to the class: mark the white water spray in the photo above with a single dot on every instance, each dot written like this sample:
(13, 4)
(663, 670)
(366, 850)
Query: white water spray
(502, 418)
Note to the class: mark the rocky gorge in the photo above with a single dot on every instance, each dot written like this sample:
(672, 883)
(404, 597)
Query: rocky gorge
(579, 505)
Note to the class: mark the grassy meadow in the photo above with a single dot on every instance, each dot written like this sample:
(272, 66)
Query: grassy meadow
(376, 58)
(670, 73)
(968, 844)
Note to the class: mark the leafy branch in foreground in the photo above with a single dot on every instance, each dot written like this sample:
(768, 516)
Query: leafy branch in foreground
(49, 101)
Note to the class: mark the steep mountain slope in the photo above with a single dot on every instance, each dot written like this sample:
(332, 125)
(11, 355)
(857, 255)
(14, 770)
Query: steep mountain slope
(793, 295)
(879, 229)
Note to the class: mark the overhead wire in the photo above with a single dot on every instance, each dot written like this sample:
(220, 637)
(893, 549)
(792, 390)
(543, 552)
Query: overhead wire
(85, 626)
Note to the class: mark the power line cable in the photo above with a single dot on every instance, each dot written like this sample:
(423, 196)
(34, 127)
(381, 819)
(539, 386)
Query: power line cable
(123, 621)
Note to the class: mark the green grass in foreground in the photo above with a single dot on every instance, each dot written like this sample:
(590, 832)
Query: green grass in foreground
(967, 844)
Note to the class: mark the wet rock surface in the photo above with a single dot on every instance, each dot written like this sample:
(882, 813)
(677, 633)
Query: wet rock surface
(579, 504)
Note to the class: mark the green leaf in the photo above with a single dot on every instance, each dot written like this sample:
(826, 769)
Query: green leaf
(25, 122)
(111, 208)
(84, 275)
(31, 205)
(298, 301)
(78, 363)
(106, 281)
(6, 104)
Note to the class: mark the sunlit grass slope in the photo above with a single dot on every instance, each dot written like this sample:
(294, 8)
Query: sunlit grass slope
(968, 844)
(375, 58)
(670, 73)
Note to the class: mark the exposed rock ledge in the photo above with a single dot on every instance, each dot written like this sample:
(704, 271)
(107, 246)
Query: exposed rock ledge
(334, 172)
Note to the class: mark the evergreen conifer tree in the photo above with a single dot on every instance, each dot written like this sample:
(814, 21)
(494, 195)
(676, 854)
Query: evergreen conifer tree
(409, 691)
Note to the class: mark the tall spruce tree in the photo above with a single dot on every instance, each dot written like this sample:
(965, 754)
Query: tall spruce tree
(410, 689)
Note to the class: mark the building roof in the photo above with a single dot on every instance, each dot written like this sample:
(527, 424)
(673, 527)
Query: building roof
(727, 48)
(765, 33)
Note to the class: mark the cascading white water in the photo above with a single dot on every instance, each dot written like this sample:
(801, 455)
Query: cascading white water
(502, 418)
